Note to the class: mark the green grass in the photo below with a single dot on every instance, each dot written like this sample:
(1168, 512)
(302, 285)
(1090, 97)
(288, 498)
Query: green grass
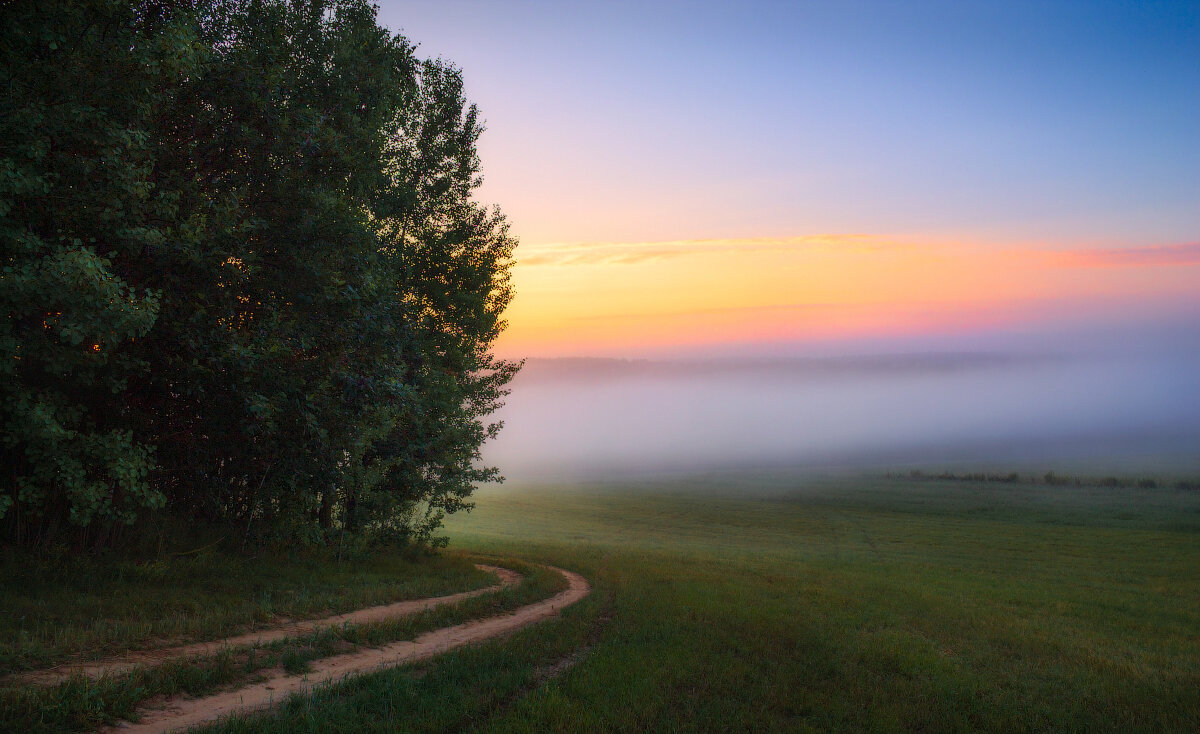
(52, 610)
(81, 704)
(801, 605)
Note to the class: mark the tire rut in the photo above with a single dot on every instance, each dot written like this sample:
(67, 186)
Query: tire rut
(180, 714)
(157, 656)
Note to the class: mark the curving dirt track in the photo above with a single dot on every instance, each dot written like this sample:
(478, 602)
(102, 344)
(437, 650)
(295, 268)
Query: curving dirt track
(180, 714)
(94, 669)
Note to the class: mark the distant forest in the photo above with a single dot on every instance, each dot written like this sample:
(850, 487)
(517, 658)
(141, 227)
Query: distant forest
(244, 277)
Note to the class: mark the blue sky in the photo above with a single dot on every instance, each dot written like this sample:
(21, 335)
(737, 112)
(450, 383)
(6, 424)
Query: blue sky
(1062, 124)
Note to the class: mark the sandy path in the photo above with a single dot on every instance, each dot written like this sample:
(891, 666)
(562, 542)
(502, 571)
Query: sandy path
(157, 656)
(182, 714)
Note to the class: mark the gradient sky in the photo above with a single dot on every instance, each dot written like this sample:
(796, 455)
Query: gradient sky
(745, 175)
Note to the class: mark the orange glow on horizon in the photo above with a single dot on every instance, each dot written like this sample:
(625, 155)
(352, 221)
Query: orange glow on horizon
(613, 297)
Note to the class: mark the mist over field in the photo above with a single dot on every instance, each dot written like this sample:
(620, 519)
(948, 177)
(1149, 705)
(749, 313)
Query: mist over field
(1129, 402)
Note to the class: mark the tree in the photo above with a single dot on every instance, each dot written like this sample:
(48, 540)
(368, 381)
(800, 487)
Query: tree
(318, 291)
(81, 82)
(450, 259)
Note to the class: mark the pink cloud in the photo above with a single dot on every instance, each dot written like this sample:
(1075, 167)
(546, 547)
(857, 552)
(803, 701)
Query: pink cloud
(629, 253)
(1186, 254)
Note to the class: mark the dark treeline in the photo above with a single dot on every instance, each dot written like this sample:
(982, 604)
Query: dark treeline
(1053, 480)
(244, 279)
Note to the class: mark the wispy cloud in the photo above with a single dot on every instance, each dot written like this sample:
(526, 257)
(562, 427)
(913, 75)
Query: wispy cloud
(629, 253)
(633, 253)
(1185, 254)
(781, 308)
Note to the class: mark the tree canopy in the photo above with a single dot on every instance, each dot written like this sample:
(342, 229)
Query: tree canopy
(245, 277)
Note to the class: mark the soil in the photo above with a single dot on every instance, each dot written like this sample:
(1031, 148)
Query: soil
(179, 713)
(157, 656)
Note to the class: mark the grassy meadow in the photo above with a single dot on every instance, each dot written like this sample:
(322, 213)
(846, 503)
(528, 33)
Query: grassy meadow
(312, 585)
(770, 603)
(76, 607)
(782, 604)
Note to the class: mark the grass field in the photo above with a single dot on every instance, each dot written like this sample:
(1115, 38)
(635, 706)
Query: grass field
(790, 604)
(75, 606)
(833, 605)
(82, 704)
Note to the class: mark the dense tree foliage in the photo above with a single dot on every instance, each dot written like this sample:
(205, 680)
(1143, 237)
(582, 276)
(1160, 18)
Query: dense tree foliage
(245, 277)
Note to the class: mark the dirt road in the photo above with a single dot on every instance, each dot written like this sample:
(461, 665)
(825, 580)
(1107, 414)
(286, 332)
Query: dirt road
(180, 714)
(95, 669)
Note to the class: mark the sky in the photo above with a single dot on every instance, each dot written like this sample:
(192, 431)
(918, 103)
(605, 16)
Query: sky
(769, 177)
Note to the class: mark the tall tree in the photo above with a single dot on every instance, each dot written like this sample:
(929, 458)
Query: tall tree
(450, 258)
(81, 81)
(296, 292)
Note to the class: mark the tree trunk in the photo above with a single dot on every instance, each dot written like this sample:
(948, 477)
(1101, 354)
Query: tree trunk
(326, 515)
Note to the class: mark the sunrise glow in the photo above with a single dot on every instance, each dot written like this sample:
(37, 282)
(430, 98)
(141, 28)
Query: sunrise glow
(717, 178)
(659, 296)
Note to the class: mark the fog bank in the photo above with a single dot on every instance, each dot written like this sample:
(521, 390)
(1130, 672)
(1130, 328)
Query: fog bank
(1129, 410)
